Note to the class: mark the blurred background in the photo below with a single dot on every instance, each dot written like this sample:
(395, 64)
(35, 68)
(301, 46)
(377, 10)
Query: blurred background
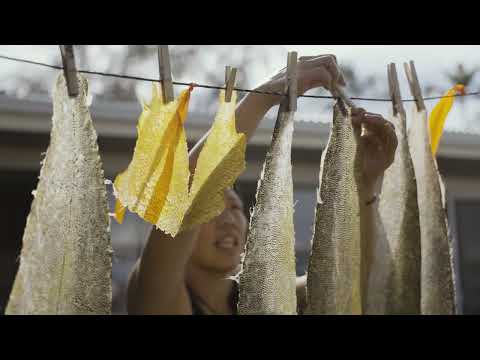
(25, 122)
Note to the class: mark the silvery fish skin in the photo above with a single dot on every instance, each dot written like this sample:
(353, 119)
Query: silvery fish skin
(398, 210)
(267, 280)
(437, 284)
(65, 262)
(334, 277)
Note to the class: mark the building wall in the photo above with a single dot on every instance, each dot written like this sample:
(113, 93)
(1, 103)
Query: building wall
(463, 194)
(15, 195)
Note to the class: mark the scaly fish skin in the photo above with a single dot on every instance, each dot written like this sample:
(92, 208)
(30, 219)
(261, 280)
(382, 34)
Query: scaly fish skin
(65, 263)
(267, 280)
(333, 278)
(437, 281)
(398, 210)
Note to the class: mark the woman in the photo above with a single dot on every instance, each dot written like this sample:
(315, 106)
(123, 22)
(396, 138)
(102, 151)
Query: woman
(191, 274)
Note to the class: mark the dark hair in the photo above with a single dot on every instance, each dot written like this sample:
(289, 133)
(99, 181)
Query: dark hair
(244, 197)
(236, 188)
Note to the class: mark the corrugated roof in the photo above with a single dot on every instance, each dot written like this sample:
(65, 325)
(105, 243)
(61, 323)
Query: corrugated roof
(118, 119)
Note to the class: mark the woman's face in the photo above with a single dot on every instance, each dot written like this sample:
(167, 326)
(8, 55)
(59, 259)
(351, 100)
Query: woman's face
(221, 241)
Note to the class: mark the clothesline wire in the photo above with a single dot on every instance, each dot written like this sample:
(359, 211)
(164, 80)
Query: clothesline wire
(130, 77)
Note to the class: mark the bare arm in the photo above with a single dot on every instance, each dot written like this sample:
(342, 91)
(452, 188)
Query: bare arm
(157, 282)
(378, 143)
(313, 72)
(369, 215)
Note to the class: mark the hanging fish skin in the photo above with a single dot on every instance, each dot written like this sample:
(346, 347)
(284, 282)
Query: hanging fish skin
(333, 277)
(268, 277)
(220, 162)
(439, 115)
(398, 209)
(437, 280)
(65, 263)
(156, 183)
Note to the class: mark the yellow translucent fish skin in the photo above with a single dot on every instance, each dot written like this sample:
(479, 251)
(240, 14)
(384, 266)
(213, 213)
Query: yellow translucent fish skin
(438, 117)
(156, 183)
(398, 209)
(119, 212)
(176, 200)
(437, 280)
(333, 278)
(221, 161)
(66, 258)
(267, 281)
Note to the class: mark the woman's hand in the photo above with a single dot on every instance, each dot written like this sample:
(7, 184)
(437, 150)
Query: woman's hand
(312, 72)
(378, 143)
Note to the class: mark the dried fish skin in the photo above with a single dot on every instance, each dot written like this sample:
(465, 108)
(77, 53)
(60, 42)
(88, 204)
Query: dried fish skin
(334, 269)
(399, 214)
(65, 262)
(155, 184)
(176, 203)
(221, 161)
(439, 115)
(437, 280)
(267, 281)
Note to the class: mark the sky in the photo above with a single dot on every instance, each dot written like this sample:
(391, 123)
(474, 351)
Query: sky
(431, 63)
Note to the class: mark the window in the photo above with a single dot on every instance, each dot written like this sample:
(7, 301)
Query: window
(467, 216)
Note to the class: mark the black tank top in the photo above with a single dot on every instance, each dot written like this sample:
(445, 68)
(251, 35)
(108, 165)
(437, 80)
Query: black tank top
(195, 301)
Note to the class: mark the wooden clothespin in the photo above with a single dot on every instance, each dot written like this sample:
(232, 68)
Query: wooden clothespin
(414, 85)
(230, 75)
(291, 84)
(165, 73)
(394, 89)
(69, 69)
(227, 72)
